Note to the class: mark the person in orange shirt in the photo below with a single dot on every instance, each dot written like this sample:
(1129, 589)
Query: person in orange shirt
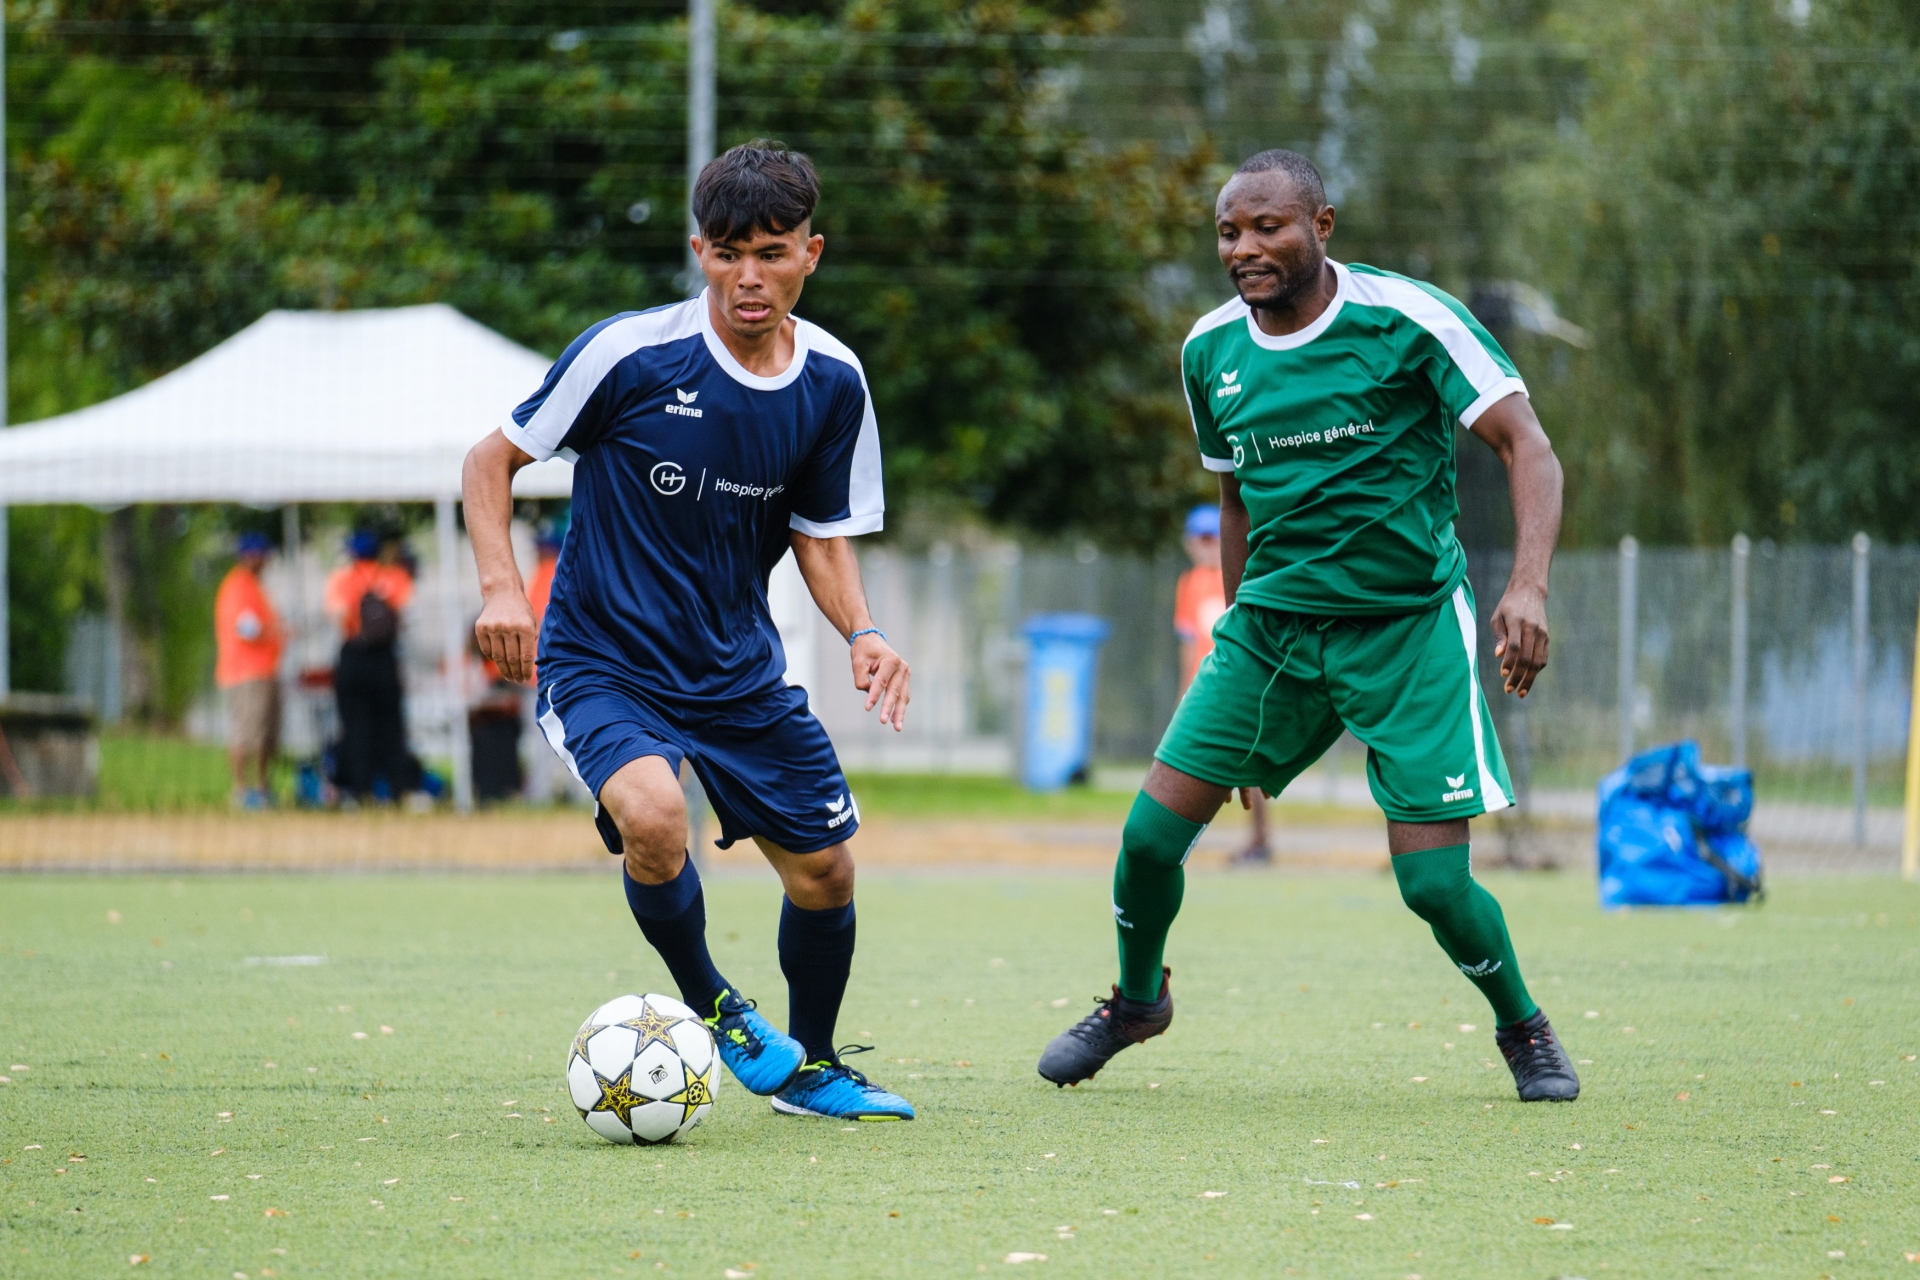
(540, 585)
(1198, 601)
(247, 643)
(365, 598)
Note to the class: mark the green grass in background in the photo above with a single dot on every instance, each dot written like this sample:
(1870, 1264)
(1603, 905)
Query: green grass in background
(1317, 1109)
(145, 771)
(926, 795)
(142, 772)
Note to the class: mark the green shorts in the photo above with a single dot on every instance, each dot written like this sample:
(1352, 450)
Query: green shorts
(1279, 687)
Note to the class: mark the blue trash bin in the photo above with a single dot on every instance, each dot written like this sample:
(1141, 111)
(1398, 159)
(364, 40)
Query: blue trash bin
(1064, 653)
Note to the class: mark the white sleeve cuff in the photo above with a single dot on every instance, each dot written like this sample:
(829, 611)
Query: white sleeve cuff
(1212, 463)
(521, 439)
(852, 527)
(1491, 396)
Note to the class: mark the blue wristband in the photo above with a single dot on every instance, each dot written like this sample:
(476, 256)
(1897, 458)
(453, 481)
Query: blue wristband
(865, 631)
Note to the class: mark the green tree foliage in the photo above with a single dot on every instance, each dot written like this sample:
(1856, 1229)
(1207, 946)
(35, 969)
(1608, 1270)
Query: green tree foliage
(526, 164)
(1406, 106)
(1401, 103)
(53, 570)
(1722, 192)
(181, 166)
(1736, 216)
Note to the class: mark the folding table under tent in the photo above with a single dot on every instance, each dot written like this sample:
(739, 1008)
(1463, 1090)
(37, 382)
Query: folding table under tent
(301, 406)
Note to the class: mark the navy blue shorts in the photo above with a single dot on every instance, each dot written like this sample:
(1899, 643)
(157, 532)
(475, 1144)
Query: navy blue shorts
(767, 765)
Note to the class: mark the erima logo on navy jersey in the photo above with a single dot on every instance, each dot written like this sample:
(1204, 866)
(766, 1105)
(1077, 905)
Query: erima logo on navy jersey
(686, 398)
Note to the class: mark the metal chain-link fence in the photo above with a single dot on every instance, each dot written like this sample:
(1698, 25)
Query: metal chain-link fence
(1827, 669)
(1825, 706)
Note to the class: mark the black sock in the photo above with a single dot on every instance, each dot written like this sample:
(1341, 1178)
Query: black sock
(674, 918)
(816, 954)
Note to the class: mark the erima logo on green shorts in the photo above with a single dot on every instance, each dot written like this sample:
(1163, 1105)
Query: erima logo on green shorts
(1457, 789)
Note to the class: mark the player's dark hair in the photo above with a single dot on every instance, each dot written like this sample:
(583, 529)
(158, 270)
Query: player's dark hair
(756, 186)
(1305, 178)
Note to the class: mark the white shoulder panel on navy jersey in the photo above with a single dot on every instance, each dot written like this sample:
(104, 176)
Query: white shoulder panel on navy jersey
(866, 497)
(549, 425)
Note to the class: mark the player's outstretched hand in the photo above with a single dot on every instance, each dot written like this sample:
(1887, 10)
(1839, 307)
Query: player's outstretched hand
(882, 674)
(507, 635)
(1520, 637)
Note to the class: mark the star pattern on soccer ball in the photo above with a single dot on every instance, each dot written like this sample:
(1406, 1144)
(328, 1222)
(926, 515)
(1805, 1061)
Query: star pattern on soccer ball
(652, 1027)
(697, 1092)
(586, 1034)
(618, 1097)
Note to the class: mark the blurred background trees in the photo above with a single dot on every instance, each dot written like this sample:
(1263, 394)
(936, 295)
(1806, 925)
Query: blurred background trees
(1694, 221)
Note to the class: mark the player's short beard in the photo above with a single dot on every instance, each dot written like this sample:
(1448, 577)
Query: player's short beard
(1293, 281)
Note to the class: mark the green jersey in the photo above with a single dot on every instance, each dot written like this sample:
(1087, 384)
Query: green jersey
(1341, 436)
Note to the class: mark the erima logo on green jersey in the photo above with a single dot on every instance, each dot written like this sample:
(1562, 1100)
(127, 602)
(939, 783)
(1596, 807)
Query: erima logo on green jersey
(1228, 387)
(1458, 790)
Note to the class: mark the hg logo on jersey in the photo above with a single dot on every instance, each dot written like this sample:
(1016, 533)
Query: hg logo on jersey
(1457, 789)
(1229, 385)
(686, 399)
(667, 478)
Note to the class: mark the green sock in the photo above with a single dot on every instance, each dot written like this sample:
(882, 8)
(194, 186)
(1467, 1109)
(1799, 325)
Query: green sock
(1148, 883)
(1467, 923)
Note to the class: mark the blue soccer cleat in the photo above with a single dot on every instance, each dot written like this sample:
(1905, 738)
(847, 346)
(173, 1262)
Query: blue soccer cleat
(835, 1091)
(761, 1059)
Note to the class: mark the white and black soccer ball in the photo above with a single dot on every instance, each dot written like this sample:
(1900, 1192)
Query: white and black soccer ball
(643, 1069)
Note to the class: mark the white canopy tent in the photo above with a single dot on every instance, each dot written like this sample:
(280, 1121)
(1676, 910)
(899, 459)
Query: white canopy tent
(300, 406)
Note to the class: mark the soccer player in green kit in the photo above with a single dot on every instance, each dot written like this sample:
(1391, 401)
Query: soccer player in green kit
(1325, 396)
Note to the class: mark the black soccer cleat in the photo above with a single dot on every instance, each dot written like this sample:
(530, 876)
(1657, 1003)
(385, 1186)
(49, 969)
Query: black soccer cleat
(1542, 1072)
(1080, 1051)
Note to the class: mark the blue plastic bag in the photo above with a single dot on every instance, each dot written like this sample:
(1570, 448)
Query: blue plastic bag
(1672, 832)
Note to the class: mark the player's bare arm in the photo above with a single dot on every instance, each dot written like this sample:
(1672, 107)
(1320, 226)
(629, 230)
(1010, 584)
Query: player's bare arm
(1511, 430)
(832, 573)
(505, 630)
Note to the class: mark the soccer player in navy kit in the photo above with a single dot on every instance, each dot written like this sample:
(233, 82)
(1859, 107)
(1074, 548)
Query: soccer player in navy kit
(708, 437)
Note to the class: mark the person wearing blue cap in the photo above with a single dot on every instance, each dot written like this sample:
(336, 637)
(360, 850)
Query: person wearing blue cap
(247, 643)
(1198, 602)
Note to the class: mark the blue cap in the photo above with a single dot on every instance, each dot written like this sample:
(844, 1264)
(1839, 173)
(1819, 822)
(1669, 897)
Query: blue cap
(1203, 522)
(252, 544)
(363, 544)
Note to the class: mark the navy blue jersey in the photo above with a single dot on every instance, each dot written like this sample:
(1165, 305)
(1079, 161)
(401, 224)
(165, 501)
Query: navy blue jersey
(688, 473)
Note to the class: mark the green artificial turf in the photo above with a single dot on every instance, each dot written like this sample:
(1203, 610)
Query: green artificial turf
(1748, 1106)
